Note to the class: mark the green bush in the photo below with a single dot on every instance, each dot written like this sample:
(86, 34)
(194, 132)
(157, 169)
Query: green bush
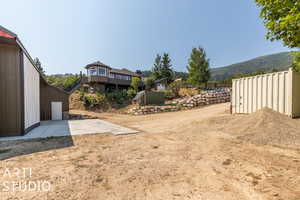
(149, 83)
(174, 88)
(81, 94)
(92, 100)
(117, 96)
(131, 93)
(135, 83)
(64, 83)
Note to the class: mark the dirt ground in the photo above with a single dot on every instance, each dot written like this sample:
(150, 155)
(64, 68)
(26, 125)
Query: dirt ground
(201, 154)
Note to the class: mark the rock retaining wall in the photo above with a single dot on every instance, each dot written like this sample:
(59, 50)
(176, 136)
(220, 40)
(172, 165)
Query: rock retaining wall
(205, 98)
(143, 110)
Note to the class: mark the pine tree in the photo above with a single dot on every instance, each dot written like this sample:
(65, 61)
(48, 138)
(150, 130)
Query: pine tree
(156, 70)
(198, 67)
(166, 69)
(38, 64)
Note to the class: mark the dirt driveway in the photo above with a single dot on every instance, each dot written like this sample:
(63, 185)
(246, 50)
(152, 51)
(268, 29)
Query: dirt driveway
(180, 155)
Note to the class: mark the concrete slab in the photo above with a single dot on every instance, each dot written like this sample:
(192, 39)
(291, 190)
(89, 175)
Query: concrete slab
(72, 127)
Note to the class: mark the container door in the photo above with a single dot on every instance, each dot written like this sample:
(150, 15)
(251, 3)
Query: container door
(56, 110)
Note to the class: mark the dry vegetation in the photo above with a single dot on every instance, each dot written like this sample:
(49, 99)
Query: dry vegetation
(202, 153)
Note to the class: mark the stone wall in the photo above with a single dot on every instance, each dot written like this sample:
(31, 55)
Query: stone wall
(143, 110)
(205, 98)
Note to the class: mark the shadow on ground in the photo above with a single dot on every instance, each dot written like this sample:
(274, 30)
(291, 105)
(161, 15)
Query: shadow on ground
(9, 149)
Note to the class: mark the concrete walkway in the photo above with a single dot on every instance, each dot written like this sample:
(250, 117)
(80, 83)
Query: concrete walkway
(72, 127)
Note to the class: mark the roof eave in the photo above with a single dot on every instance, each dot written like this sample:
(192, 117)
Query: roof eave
(96, 65)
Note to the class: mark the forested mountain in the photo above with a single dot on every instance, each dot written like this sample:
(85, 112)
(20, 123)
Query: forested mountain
(269, 63)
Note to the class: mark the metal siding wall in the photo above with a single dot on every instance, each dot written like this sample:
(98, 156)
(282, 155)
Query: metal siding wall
(241, 95)
(295, 94)
(250, 82)
(269, 90)
(237, 98)
(276, 92)
(286, 102)
(281, 93)
(49, 94)
(31, 94)
(233, 107)
(254, 105)
(10, 91)
(259, 93)
(264, 91)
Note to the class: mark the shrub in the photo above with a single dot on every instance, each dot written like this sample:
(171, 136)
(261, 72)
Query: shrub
(174, 88)
(117, 96)
(149, 83)
(81, 94)
(131, 93)
(64, 83)
(135, 83)
(93, 100)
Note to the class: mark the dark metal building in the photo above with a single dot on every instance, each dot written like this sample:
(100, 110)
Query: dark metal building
(25, 97)
(48, 94)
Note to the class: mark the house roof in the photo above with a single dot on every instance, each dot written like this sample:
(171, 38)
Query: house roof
(123, 71)
(112, 70)
(98, 63)
(7, 33)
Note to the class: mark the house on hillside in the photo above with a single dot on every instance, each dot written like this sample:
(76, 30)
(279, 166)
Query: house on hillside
(25, 96)
(102, 78)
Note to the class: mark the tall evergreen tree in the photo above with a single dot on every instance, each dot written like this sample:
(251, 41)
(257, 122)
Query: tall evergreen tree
(38, 64)
(156, 70)
(198, 67)
(166, 68)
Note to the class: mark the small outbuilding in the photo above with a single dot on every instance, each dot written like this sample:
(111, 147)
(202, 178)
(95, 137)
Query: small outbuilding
(161, 84)
(54, 101)
(279, 91)
(25, 96)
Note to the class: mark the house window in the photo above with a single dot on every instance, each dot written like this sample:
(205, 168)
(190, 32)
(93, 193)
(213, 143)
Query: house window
(111, 75)
(102, 72)
(120, 77)
(92, 72)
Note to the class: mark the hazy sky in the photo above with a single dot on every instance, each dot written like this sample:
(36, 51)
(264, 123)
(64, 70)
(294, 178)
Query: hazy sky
(68, 34)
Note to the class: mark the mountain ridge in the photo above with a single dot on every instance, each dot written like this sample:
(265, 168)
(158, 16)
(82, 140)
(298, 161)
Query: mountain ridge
(278, 61)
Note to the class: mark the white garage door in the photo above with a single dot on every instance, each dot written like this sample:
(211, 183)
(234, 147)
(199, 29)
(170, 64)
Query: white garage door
(56, 110)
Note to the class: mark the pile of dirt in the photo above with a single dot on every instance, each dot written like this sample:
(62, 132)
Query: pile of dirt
(262, 127)
(270, 127)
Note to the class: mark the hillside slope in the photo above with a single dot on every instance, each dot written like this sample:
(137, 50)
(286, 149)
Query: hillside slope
(279, 61)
